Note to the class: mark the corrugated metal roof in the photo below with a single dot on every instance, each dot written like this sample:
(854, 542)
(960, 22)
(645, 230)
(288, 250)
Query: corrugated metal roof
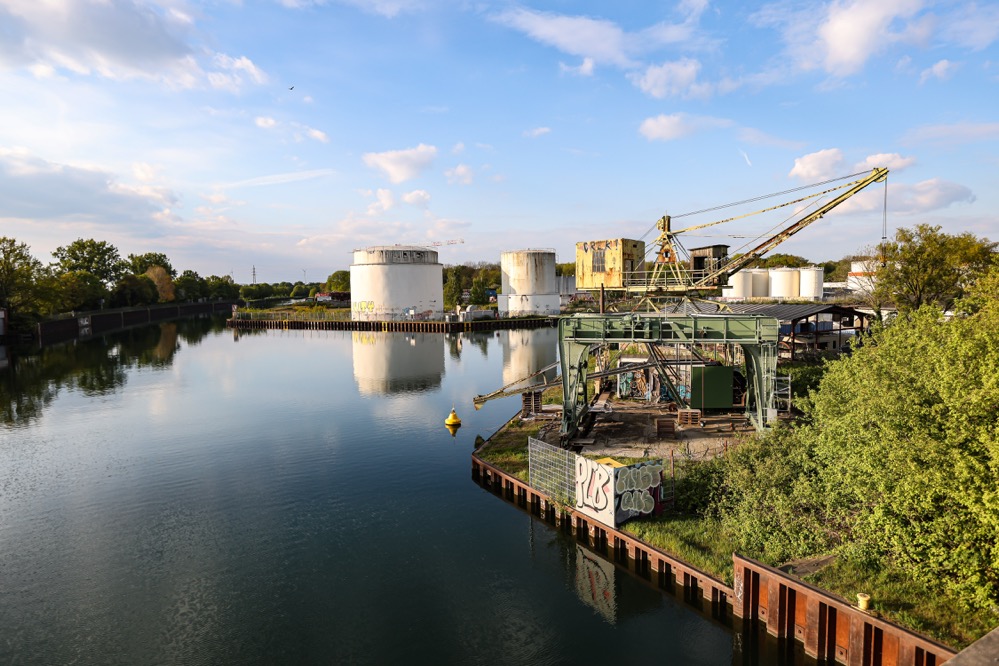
(790, 311)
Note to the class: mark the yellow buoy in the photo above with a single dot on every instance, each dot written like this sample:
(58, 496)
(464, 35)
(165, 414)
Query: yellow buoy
(452, 419)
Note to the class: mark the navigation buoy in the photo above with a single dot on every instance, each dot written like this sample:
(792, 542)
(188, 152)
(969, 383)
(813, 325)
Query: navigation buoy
(452, 422)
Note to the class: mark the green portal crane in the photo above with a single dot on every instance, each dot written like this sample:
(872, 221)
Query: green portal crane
(579, 334)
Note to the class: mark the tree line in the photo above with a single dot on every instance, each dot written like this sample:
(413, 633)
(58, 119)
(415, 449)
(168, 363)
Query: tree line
(88, 274)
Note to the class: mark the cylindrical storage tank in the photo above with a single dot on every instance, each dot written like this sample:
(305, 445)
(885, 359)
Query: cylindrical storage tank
(528, 283)
(810, 282)
(761, 282)
(740, 285)
(784, 282)
(393, 282)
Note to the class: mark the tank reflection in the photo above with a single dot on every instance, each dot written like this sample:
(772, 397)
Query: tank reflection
(397, 362)
(526, 353)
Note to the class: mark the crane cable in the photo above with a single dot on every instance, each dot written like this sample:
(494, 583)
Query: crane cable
(759, 198)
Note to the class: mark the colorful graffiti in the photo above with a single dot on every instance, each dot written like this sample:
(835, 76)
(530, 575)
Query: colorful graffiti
(636, 490)
(594, 490)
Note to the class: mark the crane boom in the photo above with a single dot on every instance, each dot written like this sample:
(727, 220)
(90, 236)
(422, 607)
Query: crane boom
(877, 175)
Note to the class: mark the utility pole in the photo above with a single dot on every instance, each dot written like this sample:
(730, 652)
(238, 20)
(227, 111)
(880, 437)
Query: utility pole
(254, 275)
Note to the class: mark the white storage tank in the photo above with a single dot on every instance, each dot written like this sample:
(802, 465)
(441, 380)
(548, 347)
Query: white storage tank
(528, 284)
(784, 282)
(391, 282)
(761, 282)
(740, 285)
(810, 281)
(387, 363)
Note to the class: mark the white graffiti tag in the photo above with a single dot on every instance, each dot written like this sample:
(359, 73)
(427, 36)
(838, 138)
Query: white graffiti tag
(593, 486)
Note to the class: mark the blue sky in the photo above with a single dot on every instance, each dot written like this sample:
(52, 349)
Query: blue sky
(282, 134)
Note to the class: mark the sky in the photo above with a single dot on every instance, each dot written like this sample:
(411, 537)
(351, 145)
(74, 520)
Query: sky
(268, 139)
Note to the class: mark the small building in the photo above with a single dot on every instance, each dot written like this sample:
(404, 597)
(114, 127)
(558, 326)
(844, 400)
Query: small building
(809, 327)
(611, 264)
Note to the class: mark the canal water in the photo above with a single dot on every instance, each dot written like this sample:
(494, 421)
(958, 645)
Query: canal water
(185, 494)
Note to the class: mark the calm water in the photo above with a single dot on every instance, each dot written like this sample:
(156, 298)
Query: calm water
(179, 494)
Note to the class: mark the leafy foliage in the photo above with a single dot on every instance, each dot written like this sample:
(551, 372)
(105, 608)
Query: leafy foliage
(926, 266)
(99, 258)
(138, 264)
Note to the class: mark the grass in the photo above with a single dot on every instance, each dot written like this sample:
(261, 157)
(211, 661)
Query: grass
(699, 542)
(899, 598)
(507, 449)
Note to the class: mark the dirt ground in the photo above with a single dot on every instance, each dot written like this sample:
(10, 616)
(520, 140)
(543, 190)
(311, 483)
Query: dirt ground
(628, 429)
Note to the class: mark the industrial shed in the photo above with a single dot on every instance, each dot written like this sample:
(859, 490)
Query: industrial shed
(809, 326)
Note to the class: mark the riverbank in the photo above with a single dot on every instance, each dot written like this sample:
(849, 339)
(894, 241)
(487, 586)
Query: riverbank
(80, 325)
(699, 542)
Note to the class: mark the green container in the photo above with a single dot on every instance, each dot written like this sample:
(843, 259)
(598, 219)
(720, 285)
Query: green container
(711, 387)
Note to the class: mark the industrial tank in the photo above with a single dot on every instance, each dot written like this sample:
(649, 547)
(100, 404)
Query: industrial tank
(740, 285)
(528, 284)
(784, 282)
(761, 282)
(810, 281)
(396, 282)
(386, 363)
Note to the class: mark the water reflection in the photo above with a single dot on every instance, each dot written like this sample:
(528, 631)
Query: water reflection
(30, 381)
(526, 353)
(387, 363)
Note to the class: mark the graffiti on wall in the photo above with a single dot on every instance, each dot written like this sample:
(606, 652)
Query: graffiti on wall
(594, 490)
(636, 490)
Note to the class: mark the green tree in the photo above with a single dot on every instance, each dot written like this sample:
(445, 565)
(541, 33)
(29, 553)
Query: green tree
(452, 287)
(568, 269)
(99, 258)
(20, 274)
(81, 290)
(190, 286)
(133, 290)
(926, 266)
(224, 287)
(299, 291)
(338, 281)
(478, 292)
(140, 263)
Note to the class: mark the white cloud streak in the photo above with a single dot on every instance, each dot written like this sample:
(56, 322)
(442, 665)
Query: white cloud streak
(402, 165)
(677, 125)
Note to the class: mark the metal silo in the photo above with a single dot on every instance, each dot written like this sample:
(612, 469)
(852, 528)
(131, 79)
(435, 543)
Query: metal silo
(784, 282)
(392, 282)
(811, 279)
(528, 285)
(740, 285)
(761, 282)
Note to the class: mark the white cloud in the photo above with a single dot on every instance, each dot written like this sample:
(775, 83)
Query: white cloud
(144, 173)
(460, 175)
(891, 161)
(402, 165)
(458, 148)
(974, 26)
(941, 70)
(677, 125)
(928, 195)
(820, 165)
(955, 133)
(265, 122)
(596, 39)
(318, 135)
(384, 200)
(418, 198)
(854, 31)
(118, 40)
(281, 178)
(585, 68)
(672, 79)
(536, 132)
(386, 8)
